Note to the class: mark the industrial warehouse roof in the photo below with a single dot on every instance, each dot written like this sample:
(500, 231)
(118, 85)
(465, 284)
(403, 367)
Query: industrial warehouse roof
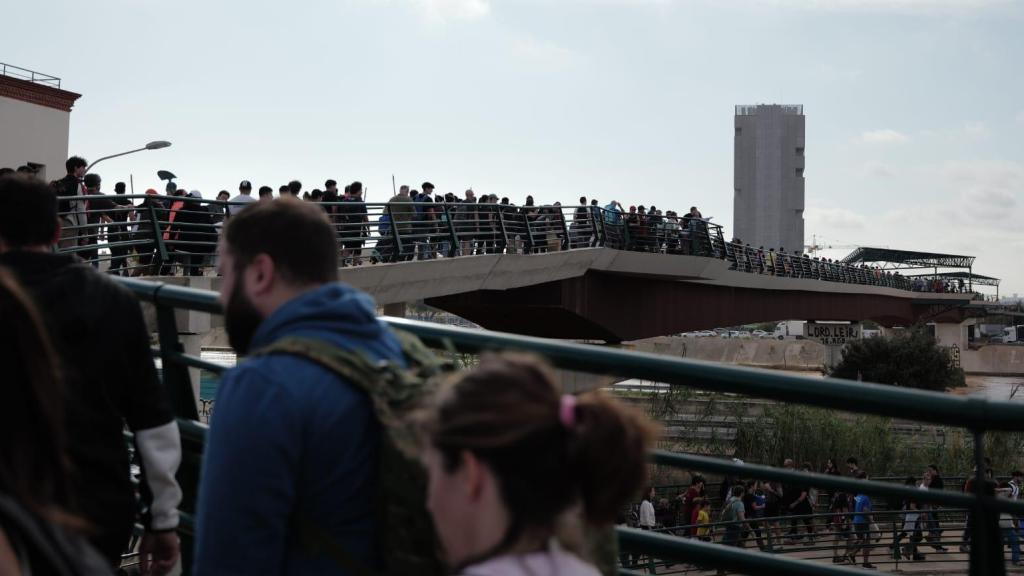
(907, 258)
(976, 278)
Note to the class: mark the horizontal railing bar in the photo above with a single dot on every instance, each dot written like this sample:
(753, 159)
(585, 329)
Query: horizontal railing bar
(187, 360)
(960, 500)
(693, 551)
(875, 399)
(862, 397)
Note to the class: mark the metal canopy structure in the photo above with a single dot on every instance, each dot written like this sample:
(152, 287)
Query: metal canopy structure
(976, 278)
(907, 259)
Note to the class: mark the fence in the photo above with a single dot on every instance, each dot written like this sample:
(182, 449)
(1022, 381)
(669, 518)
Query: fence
(166, 235)
(978, 415)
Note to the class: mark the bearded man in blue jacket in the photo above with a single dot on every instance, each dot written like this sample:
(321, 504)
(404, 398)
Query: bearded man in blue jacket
(290, 443)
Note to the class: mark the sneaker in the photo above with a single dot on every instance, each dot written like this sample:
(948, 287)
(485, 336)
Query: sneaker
(939, 547)
(919, 557)
(868, 566)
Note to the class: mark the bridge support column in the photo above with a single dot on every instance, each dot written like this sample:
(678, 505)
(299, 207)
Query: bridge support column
(192, 329)
(953, 337)
(949, 334)
(396, 309)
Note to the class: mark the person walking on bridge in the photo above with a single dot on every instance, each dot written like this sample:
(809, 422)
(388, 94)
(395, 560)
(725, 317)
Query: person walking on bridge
(291, 441)
(103, 349)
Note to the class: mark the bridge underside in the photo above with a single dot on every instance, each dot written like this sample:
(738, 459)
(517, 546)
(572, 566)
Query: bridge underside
(615, 308)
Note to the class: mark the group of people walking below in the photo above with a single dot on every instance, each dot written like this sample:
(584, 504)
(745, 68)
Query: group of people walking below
(776, 516)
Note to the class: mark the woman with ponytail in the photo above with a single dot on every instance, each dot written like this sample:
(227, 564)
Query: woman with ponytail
(513, 464)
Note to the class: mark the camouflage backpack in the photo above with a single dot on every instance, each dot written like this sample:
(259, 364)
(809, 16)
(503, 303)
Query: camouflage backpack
(407, 540)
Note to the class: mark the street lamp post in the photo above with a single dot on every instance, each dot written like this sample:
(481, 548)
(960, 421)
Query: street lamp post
(154, 145)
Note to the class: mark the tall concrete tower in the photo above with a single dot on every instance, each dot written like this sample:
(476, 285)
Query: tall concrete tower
(768, 200)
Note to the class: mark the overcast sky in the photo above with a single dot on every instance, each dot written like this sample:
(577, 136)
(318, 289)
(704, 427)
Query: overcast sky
(915, 108)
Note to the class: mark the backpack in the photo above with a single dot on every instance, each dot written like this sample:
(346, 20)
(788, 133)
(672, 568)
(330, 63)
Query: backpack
(407, 540)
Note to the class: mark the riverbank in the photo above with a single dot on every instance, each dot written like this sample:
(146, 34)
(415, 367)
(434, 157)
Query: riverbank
(806, 355)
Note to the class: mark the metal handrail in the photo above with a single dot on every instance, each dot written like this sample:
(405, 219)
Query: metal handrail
(30, 75)
(456, 229)
(978, 415)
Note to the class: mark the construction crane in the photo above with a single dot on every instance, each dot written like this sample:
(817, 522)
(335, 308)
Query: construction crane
(814, 247)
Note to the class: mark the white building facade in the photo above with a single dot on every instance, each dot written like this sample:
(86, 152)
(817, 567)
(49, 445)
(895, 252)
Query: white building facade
(35, 118)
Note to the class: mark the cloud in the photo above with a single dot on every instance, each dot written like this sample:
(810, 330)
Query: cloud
(543, 52)
(445, 10)
(988, 189)
(834, 218)
(878, 170)
(992, 173)
(995, 198)
(916, 7)
(883, 136)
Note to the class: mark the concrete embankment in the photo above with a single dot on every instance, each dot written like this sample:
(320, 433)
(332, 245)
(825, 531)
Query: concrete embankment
(789, 354)
(792, 354)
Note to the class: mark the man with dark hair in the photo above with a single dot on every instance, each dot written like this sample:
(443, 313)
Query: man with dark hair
(118, 230)
(90, 317)
(266, 194)
(97, 211)
(291, 442)
(295, 187)
(354, 224)
(852, 467)
(283, 191)
(72, 212)
(244, 198)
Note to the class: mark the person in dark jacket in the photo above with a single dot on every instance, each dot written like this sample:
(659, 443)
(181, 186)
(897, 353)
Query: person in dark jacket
(193, 228)
(118, 232)
(72, 212)
(290, 439)
(103, 348)
(150, 211)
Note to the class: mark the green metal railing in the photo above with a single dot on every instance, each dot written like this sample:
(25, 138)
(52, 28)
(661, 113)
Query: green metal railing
(162, 235)
(977, 415)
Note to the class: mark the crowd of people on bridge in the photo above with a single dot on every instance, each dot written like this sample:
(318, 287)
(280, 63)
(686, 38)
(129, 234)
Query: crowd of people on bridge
(177, 232)
(778, 516)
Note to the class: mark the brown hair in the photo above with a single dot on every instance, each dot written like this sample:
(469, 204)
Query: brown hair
(33, 464)
(507, 412)
(297, 236)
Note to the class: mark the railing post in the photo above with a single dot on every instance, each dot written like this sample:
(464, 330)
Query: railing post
(394, 231)
(504, 232)
(986, 555)
(158, 238)
(566, 244)
(177, 384)
(453, 248)
(529, 233)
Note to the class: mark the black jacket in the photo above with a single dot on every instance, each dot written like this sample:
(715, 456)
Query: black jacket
(109, 378)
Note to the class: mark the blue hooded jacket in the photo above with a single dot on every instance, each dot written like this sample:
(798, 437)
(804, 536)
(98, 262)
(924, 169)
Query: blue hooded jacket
(289, 440)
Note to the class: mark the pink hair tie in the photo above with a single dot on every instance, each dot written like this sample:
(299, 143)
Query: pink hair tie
(567, 411)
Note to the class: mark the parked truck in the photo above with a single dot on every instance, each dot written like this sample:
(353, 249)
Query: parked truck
(789, 328)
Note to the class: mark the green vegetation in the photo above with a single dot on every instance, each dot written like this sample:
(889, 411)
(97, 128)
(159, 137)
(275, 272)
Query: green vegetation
(766, 432)
(910, 359)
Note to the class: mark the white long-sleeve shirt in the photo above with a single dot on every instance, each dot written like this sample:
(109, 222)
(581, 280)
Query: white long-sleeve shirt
(647, 514)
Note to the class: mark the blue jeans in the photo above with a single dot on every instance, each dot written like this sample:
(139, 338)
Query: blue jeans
(1010, 537)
